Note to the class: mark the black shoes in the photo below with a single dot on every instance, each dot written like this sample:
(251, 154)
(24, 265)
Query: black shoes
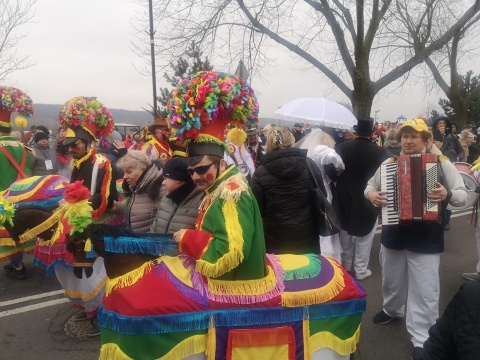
(17, 274)
(8, 267)
(446, 226)
(417, 353)
(382, 318)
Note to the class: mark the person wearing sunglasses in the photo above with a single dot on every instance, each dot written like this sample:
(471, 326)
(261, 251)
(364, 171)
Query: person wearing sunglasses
(227, 243)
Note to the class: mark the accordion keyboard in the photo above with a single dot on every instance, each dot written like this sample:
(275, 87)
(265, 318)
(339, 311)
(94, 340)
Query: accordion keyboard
(389, 184)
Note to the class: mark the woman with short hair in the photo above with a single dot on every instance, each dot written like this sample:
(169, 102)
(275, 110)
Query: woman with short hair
(142, 186)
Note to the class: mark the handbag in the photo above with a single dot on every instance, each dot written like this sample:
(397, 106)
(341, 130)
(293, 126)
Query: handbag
(325, 215)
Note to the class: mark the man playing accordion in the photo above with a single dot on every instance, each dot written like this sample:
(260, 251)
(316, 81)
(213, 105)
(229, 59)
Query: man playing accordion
(410, 250)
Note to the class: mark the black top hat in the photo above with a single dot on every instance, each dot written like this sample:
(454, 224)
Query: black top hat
(365, 126)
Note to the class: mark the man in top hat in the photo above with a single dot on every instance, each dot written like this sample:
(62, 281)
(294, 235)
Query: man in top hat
(158, 147)
(358, 217)
(254, 145)
(410, 252)
(227, 242)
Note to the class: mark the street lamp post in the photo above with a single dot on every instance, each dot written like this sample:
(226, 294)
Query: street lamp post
(152, 54)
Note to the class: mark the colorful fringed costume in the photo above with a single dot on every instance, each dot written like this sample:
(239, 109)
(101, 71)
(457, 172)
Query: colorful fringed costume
(41, 191)
(304, 304)
(228, 241)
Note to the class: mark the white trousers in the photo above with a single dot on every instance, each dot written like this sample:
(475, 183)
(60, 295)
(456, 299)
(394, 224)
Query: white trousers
(361, 246)
(477, 235)
(411, 279)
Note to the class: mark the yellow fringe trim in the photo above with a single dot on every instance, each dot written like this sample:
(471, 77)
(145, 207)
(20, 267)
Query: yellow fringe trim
(244, 287)
(112, 352)
(88, 245)
(129, 278)
(7, 242)
(79, 162)
(87, 297)
(234, 256)
(306, 340)
(5, 143)
(316, 296)
(193, 345)
(16, 250)
(55, 236)
(51, 221)
(326, 339)
(211, 340)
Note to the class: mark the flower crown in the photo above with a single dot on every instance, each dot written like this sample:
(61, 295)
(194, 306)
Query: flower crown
(206, 97)
(15, 100)
(88, 113)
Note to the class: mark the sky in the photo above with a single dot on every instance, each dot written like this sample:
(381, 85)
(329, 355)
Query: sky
(83, 48)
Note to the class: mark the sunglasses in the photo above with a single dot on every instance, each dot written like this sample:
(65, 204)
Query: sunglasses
(200, 170)
(75, 144)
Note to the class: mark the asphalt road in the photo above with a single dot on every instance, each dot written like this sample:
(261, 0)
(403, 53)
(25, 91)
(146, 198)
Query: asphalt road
(34, 328)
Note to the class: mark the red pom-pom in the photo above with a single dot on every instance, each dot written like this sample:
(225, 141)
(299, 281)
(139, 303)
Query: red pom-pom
(76, 192)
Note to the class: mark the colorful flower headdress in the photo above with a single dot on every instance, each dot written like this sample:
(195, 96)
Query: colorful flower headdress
(88, 113)
(205, 102)
(15, 100)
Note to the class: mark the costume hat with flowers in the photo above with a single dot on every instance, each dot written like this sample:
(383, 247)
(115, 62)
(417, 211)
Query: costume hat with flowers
(87, 119)
(13, 100)
(204, 105)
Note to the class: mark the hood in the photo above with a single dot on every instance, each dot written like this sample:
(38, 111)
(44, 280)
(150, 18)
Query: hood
(285, 163)
(448, 128)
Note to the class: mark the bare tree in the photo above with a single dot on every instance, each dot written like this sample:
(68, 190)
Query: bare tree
(361, 46)
(13, 14)
(462, 91)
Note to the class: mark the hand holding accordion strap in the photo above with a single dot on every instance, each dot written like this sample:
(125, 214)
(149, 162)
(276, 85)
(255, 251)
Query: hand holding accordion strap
(325, 215)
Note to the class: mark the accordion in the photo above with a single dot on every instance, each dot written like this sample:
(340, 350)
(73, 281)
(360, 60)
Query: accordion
(406, 182)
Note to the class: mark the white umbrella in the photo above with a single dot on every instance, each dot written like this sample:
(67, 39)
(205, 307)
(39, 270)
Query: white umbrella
(318, 111)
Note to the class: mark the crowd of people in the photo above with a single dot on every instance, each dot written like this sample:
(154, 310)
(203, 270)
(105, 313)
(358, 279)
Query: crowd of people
(168, 187)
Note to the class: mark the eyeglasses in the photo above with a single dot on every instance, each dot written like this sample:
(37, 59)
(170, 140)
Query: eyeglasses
(75, 144)
(200, 170)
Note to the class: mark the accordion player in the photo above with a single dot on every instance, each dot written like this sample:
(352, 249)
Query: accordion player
(406, 181)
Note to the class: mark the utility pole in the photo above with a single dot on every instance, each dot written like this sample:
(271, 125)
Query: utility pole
(152, 54)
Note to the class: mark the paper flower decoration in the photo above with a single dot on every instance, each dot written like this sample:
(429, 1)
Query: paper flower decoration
(7, 212)
(21, 121)
(206, 97)
(88, 113)
(15, 100)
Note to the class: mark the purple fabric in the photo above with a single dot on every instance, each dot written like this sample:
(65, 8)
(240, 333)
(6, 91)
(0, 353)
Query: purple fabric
(325, 276)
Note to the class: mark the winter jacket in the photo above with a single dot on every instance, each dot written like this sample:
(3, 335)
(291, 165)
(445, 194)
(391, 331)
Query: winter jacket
(282, 188)
(456, 335)
(178, 210)
(143, 199)
(361, 158)
(38, 165)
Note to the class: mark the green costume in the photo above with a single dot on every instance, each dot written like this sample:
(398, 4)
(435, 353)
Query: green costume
(20, 154)
(228, 242)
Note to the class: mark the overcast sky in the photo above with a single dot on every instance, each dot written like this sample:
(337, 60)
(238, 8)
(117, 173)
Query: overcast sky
(83, 48)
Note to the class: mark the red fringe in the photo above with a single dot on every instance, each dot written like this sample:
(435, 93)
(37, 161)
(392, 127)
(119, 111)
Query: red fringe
(105, 191)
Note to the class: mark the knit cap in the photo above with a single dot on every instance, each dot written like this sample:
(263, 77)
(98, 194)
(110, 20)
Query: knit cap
(176, 169)
(39, 136)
